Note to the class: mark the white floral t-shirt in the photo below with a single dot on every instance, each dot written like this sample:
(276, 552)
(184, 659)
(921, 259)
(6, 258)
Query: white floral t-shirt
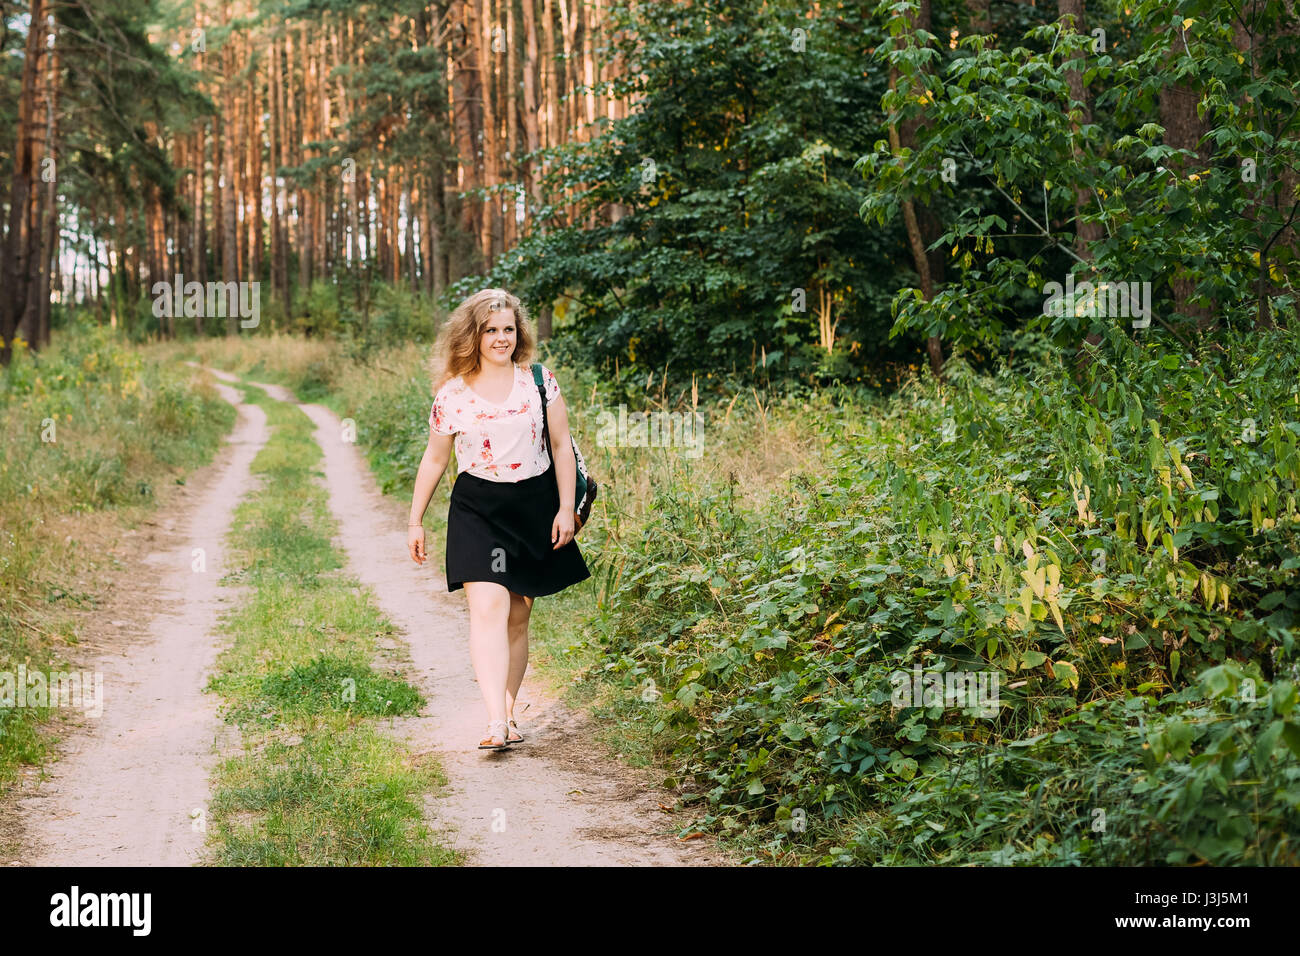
(497, 442)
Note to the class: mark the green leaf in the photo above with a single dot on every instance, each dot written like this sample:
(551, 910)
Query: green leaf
(1291, 734)
(1271, 600)
(1178, 739)
(1266, 743)
(905, 767)
(793, 731)
(758, 761)
(1282, 697)
(1218, 682)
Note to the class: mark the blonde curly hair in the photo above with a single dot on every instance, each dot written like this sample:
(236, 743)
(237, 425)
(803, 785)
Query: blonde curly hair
(457, 350)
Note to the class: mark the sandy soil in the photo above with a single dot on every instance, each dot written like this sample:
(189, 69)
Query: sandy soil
(549, 801)
(130, 784)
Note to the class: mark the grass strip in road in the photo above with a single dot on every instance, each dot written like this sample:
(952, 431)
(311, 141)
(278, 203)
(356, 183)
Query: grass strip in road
(319, 783)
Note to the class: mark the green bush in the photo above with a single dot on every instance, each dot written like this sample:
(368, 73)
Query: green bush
(320, 314)
(1119, 551)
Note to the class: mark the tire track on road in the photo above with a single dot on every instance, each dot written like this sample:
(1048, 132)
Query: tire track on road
(550, 801)
(123, 792)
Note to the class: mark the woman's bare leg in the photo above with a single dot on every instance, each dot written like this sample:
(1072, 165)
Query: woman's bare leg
(489, 644)
(521, 608)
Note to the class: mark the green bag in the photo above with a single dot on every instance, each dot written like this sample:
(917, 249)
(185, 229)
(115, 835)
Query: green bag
(584, 486)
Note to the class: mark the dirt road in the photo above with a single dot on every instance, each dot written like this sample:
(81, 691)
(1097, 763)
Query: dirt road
(549, 801)
(130, 781)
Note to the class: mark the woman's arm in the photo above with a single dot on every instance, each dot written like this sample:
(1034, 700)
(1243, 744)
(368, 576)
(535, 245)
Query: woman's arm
(566, 470)
(436, 455)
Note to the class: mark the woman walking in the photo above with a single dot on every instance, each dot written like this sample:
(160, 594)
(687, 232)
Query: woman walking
(511, 523)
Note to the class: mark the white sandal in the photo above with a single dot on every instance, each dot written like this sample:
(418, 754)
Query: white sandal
(493, 735)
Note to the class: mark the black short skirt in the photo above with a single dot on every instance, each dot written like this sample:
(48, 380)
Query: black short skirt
(501, 532)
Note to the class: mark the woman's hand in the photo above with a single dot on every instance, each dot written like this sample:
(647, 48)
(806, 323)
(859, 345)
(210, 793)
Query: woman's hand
(415, 543)
(432, 465)
(562, 528)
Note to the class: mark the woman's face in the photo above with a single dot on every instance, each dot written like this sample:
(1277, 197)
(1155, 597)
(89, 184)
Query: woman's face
(497, 343)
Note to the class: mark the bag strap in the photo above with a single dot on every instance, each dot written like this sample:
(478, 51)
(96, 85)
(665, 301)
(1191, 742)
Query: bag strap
(541, 390)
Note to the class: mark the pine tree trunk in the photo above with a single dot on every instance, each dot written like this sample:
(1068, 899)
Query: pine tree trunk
(572, 79)
(510, 103)
(255, 182)
(464, 92)
(307, 200)
(273, 68)
(489, 228)
(286, 160)
(320, 266)
(235, 129)
(50, 241)
(229, 230)
(550, 76)
(20, 258)
(532, 178)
